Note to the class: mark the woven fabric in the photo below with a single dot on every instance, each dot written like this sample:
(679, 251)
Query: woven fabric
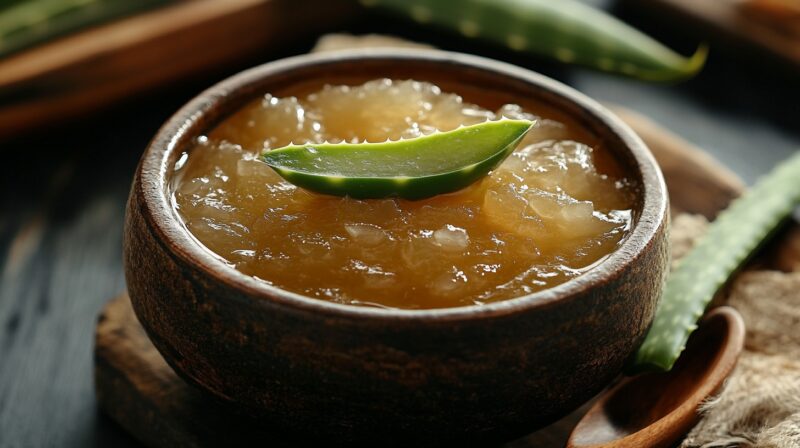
(760, 403)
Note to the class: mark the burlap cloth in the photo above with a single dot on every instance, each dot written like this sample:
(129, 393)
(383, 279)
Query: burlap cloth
(760, 403)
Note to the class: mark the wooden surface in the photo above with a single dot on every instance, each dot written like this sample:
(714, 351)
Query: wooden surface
(697, 183)
(727, 24)
(139, 390)
(63, 191)
(104, 64)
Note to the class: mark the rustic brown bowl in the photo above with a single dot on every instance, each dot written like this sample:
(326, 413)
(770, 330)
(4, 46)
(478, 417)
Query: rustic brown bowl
(361, 374)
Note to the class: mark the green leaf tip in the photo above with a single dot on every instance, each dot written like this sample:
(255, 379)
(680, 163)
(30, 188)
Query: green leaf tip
(697, 61)
(414, 168)
(681, 68)
(730, 241)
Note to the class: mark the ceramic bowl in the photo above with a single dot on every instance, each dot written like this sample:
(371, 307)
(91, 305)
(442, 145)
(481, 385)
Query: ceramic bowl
(363, 374)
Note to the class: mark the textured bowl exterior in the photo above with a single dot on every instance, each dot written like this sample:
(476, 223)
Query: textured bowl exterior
(362, 374)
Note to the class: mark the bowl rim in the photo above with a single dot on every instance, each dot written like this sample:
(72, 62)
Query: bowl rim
(157, 202)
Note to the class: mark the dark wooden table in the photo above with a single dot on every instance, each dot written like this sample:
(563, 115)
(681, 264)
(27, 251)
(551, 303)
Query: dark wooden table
(64, 189)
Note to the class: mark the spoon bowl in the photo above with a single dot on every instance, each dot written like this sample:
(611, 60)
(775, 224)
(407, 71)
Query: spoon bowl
(656, 409)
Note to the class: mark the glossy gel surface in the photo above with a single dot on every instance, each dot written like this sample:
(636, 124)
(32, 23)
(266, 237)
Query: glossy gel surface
(556, 207)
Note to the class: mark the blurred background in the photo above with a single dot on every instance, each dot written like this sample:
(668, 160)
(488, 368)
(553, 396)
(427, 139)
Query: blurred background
(84, 85)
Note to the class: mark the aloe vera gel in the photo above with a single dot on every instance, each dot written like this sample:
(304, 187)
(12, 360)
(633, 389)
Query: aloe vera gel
(463, 205)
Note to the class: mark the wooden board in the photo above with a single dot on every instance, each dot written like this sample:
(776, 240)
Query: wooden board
(104, 64)
(725, 24)
(136, 387)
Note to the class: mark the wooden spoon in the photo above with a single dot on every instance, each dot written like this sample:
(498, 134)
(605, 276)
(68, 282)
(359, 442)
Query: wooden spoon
(657, 409)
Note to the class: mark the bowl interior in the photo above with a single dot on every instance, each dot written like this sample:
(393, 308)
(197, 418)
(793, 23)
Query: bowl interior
(487, 83)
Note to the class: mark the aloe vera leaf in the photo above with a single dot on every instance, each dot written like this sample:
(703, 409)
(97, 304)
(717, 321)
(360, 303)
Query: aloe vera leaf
(567, 30)
(415, 168)
(731, 239)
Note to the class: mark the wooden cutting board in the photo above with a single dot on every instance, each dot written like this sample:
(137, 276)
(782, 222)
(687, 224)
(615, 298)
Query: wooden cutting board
(97, 67)
(137, 388)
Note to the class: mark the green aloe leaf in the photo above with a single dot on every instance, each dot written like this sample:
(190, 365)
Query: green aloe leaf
(415, 168)
(567, 30)
(731, 239)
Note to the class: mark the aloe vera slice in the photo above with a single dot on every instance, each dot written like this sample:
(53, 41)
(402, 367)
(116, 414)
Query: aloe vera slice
(731, 239)
(415, 168)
